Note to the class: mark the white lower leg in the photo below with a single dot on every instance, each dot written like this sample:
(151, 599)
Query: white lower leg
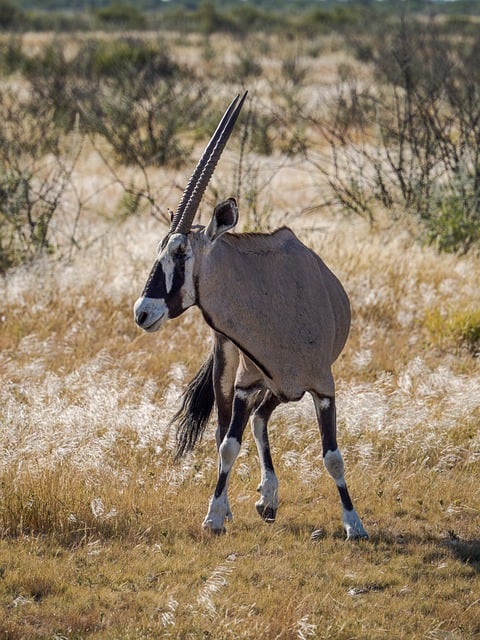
(268, 486)
(351, 521)
(218, 439)
(218, 511)
(268, 489)
(219, 508)
(353, 525)
(333, 462)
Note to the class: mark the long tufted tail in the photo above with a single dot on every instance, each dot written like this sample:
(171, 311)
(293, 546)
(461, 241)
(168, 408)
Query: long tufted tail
(197, 404)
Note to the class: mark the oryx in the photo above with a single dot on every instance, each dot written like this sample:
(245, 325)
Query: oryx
(280, 318)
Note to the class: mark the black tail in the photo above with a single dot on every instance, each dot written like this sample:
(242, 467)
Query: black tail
(197, 404)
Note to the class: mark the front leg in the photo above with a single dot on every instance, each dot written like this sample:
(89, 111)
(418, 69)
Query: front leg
(226, 358)
(219, 509)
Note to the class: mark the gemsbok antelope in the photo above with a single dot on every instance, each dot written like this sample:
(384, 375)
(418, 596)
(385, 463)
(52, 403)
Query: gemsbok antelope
(280, 318)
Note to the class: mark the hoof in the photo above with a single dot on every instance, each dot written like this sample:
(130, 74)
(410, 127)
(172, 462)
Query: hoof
(353, 536)
(218, 512)
(214, 531)
(353, 526)
(353, 533)
(267, 513)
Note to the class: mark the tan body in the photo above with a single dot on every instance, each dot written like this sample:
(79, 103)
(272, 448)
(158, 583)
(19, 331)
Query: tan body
(281, 305)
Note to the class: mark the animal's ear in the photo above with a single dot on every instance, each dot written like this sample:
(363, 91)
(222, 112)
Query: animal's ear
(225, 217)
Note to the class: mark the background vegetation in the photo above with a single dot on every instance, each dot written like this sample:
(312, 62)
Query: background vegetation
(232, 16)
(363, 136)
(404, 133)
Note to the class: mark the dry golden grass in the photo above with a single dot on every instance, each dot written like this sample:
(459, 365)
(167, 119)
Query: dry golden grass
(101, 533)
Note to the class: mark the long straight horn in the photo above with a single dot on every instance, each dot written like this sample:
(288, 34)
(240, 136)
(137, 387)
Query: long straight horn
(186, 210)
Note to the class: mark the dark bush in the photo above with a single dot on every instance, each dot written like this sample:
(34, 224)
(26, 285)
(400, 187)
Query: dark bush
(137, 97)
(120, 16)
(209, 20)
(129, 90)
(132, 56)
(12, 58)
(9, 15)
(150, 131)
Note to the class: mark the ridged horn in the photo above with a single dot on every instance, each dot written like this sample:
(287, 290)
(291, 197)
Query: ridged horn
(187, 208)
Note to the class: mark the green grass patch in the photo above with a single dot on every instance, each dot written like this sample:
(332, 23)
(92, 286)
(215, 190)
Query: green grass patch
(459, 327)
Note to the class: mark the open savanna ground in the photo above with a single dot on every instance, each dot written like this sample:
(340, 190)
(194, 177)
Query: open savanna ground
(100, 531)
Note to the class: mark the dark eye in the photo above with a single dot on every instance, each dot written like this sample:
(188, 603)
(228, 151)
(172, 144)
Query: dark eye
(181, 252)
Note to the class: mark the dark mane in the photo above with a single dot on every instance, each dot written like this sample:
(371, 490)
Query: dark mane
(259, 242)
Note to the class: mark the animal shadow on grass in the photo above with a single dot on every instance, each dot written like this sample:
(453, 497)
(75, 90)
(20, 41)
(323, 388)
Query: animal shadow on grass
(306, 531)
(467, 551)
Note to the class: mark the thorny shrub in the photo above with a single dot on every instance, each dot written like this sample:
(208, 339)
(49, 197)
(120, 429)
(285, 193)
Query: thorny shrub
(411, 141)
(33, 179)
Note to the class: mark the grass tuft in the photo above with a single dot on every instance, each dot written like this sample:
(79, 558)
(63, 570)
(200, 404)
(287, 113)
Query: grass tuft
(455, 327)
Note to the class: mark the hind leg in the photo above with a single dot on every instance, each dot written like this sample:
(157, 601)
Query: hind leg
(332, 458)
(267, 505)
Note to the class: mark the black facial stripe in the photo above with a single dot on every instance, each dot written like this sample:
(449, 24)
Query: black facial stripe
(174, 298)
(156, 286)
